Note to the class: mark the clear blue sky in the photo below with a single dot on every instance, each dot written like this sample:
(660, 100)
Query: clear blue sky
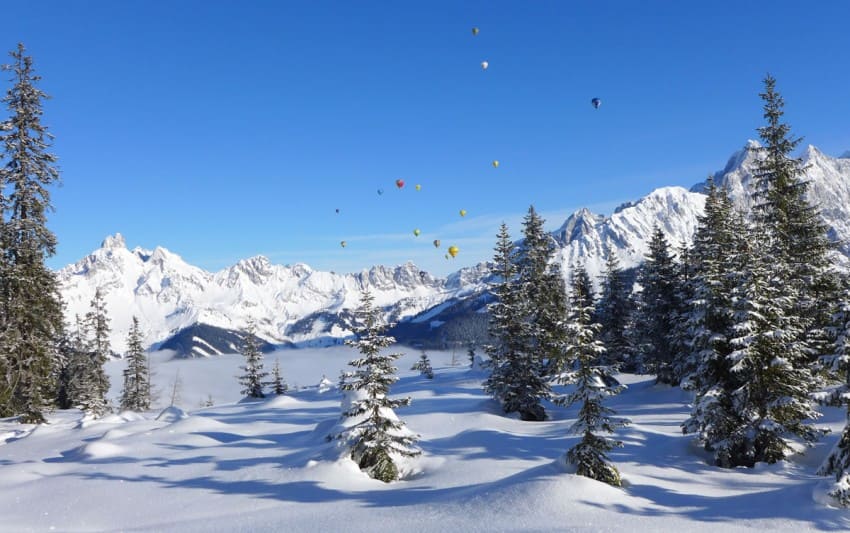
(225, 129)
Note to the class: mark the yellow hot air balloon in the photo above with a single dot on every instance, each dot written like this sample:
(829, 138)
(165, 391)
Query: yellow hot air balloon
(343, 244)
(453, 250)
(436, 243)
(484, 65)
(416, 232)
(495, 163)
(418, 187)
(463, 212)
(474, 32)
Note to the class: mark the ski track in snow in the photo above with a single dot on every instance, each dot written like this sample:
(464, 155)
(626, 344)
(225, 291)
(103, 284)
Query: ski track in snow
(266, 465)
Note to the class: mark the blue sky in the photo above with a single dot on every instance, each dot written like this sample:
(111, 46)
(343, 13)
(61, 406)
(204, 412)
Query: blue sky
(223, 129)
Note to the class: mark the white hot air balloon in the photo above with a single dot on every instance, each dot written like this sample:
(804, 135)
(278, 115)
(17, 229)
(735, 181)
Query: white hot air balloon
(484, 65)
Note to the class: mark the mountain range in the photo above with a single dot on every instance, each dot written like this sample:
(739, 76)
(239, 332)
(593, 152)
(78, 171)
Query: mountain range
(198, 313)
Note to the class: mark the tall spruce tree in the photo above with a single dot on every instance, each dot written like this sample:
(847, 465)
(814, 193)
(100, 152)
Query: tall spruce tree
(253, 373)
(657, 305)
(593, 383)
(136, 395)
(377, 438)
(30, 303)
(515, 378)
(614, 313)
(797, 235)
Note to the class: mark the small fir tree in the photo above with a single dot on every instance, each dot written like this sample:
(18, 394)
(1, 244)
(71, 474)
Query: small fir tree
(252, 378)
(423, 365)
(97, 325)
(136, 395)
(594, 382)
(278, 384)
(377, 438)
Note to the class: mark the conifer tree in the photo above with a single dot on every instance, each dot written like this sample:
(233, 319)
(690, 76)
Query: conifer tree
(423, 365)
(773, 400)
(511, 366)
(594, 382)
(614, 312)
(252, 378)
(378, 439)
(136, 395)
(30, 303)
(797, 235)
(99, 349)
(657, 304)
(278, 384)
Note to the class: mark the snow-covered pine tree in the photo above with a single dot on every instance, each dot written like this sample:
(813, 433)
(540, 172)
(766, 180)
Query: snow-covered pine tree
(541, 285)
(837, 463)
(377, 437)
(278, 384)
(614, 312)
(719, 262)
(423, 365)
(656, 306)
(594, 382)
(31, 310)
(84, 372)
(799, 244)
(773, 399)
(510, 364)
(136, 395)
(97, 325)
(252, 378)
(679, 329)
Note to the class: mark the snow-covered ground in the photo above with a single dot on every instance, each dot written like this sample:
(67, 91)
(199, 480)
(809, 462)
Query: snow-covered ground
(266, 466)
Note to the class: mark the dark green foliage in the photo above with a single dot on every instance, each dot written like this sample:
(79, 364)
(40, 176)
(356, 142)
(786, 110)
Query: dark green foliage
(375, 435)
(252, 378)
(278, 384)
(136, 395)
(614, 313)
(95, 352)
(657, 303)
(30, 304)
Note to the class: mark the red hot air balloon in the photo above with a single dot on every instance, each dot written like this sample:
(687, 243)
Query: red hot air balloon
(399, 183)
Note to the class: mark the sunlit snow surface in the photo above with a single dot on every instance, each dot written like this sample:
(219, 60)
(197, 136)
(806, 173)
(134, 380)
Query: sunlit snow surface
(266, 465)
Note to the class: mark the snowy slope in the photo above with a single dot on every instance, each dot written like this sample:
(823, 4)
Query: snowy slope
(266, 466)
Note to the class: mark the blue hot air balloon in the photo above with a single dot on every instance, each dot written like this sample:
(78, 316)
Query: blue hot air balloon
(596, 102)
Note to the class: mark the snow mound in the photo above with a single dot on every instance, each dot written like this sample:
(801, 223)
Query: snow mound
(171, 414)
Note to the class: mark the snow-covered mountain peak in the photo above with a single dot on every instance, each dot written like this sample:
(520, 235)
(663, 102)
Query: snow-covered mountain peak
(114, 241)
(845, 155)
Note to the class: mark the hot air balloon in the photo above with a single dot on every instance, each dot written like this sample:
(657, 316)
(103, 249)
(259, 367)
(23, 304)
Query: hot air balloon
(463, 212)
(447, 256)
(399, 183)
(418, 187)
(337, 210)
(474, 32)
(484, 65)
(416, 232)
(436, 243)
(495, 163)
(453, 250)
(596, 102)
(343, 244)
(380, 192)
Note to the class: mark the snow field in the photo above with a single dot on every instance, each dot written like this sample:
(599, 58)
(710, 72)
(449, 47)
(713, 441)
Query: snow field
(266, 465)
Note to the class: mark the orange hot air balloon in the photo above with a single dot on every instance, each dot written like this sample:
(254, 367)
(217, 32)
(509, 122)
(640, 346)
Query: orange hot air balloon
(463, 212)
(453, 251)
(399, 183)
